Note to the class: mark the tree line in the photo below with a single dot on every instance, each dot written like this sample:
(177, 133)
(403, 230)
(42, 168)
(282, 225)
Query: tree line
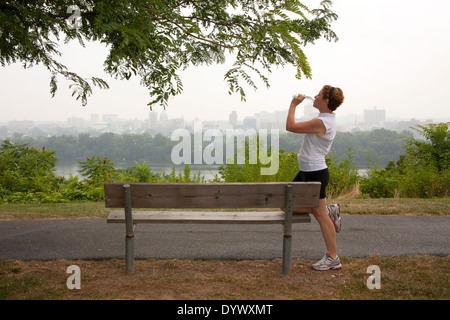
(27, 174)
(379, 145)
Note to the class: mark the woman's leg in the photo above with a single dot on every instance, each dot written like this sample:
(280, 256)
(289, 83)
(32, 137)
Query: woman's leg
(326, 226)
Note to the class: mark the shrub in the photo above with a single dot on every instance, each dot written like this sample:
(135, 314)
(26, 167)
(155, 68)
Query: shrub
(98, 171)
(379, 183)
(24, 169)
(344, 176)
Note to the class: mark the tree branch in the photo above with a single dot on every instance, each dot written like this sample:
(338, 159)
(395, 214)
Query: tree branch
(202, 39)
(68, 15)
(53, 15)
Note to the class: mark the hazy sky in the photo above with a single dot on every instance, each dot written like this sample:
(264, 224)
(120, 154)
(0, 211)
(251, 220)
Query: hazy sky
(391, 54)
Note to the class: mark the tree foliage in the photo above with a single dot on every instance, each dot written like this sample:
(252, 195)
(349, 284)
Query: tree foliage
(422, 172)
(154, 39)
(387, 146)
(24, 169)
(98, 170)
(435, 150)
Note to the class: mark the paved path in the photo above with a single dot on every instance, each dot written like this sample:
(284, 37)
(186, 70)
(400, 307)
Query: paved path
(361, 236)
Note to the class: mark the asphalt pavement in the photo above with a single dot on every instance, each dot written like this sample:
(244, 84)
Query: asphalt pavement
(361, 236)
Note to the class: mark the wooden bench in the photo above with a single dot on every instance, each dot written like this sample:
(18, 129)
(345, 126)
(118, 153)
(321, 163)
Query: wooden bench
(210, 196)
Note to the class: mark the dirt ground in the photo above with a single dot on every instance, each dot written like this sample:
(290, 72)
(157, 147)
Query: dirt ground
(230, 280)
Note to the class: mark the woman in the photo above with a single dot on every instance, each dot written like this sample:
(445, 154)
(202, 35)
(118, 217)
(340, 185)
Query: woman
(319, 134)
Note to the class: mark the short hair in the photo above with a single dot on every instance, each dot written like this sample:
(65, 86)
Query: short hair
(336, 99)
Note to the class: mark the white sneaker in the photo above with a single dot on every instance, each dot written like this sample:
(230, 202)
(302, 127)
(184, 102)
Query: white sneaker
(327, 263)
(334, 212)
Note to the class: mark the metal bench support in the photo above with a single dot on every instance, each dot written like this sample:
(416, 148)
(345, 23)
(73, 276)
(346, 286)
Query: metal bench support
(287, 237)
(129, 237)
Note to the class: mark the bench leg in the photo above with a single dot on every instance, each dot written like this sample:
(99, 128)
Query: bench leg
(129, 237)
(287, 237)
(287, 248)
(129, 253)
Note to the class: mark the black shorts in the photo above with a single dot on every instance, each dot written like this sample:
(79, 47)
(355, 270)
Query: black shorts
(322, 176)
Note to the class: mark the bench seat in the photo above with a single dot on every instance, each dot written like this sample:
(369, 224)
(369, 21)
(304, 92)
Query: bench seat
(208, 217)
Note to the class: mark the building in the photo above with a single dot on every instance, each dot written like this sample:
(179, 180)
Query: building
(75, 122)
(250, 122)
(374, 116)
(153, 119)
(233, 118)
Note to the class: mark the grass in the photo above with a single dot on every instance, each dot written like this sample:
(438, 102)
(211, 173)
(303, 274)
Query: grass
(231, 280)
(72, 210)
(402, 277)
(77, 210)
(395, 206)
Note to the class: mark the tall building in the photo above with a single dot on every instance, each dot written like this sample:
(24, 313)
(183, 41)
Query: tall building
(153, 119)
(163, 116)
(233, 118)
(374, 116)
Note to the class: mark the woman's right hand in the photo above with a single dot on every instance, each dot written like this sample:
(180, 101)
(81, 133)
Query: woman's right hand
(297, 99)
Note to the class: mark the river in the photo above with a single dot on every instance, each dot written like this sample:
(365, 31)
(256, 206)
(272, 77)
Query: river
(71, 167)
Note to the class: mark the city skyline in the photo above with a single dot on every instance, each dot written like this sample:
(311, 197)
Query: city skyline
(161, 123)
(304, 111)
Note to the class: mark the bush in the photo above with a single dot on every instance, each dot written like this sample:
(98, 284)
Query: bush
(425, 182)
(423, 172)
(247, 172)
(344, 176)
(27, 170)
(75, 190)
(98, 171)
(379, 183)
(32, 197)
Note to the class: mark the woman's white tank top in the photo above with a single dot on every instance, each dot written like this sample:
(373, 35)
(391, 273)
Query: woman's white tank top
(311, 156)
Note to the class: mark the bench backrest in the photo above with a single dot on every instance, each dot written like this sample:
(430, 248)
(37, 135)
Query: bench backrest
(213, 195)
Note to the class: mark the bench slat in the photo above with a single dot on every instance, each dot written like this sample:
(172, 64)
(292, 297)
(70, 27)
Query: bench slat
(241, 217)
(212, 195)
